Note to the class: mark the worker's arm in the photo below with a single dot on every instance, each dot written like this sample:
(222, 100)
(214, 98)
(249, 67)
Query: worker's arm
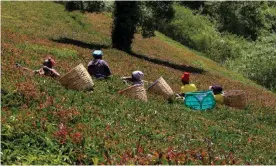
(24, 68)
(147, 83)
(39, 71)
(129, 78)
(54, 72)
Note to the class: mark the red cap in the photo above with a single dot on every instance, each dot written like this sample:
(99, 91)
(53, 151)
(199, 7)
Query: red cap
(49, 62)
(52, 61)
(185, 77)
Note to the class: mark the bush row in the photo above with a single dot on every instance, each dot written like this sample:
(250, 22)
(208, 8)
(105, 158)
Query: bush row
(258, 62)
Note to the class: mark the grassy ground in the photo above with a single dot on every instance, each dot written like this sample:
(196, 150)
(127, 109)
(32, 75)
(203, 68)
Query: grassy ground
(42, 122)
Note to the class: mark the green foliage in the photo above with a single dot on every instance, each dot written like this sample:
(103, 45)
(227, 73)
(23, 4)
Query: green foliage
(195, 5)
(199, 33)
(93, 6)
(154, 15)
(258, 62)
(89, 6)
(242, 18)
(71, 5)
(270, 16)
(53, 125)
(128, 16)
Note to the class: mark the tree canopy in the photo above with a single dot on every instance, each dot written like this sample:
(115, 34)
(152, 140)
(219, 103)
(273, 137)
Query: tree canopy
(130, 17)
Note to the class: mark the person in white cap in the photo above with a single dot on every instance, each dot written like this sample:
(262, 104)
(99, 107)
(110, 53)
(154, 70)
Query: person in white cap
(98, 68)
(135, 79)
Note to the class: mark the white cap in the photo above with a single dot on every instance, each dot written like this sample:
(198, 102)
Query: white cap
(138, 75)
(97, 53)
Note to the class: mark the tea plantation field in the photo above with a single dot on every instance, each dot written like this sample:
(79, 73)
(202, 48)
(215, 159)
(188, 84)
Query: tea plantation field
(44, 123)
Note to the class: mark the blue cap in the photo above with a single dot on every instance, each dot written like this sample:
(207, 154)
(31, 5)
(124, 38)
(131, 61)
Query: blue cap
(97, 53)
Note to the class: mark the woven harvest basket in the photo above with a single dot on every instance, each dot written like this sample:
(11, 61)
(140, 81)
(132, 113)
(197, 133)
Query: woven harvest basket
(135, 92)
(235, 98)
(77, 79)
(161, 87)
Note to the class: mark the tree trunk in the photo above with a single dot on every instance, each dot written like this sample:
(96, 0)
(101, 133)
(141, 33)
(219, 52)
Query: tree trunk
(126, 16)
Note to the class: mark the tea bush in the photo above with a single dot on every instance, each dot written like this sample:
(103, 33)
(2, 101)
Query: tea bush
(198, 32)
(258, 62)
(253, 59)
(44, 123)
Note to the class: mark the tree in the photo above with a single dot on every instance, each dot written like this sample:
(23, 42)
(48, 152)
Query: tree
(126, 17)
(129, 16)
(88, 6)
(154, 15)
(195, 5)
(71, 6)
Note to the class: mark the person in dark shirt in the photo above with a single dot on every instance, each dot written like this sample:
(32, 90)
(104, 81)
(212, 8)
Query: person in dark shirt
(218, 93)
(98, 68)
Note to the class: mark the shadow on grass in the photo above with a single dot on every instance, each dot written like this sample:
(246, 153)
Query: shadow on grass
(144, 57)
(167, 63)
(80, 43)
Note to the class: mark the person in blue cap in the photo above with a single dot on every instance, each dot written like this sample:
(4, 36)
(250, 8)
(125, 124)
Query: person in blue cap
(98, 68)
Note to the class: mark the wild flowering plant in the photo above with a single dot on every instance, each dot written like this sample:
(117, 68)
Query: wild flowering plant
(62, 133)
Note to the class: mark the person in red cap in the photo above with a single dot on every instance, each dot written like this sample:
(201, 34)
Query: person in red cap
(187, 87)
(47, 68)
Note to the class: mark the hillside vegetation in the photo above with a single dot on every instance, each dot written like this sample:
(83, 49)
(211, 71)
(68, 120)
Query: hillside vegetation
(256, 60)
(44, 123)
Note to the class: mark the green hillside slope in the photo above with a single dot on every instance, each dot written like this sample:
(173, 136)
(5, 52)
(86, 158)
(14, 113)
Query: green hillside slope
(44, 123)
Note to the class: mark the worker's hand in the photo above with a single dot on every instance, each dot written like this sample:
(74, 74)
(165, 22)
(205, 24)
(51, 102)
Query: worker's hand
(179, 97)
(41, 71)
(55, 72)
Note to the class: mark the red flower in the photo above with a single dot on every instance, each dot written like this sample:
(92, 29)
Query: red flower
(62, 133)
(76, 137)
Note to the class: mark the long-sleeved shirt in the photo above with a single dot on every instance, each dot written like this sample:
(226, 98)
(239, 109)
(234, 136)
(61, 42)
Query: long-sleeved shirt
(219, 98)
(133, 80)
(188, 88)
(99, 68)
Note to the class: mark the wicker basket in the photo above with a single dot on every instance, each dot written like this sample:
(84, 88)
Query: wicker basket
(135, 92)
(161, 87)
(235, 98)
(77, 79)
